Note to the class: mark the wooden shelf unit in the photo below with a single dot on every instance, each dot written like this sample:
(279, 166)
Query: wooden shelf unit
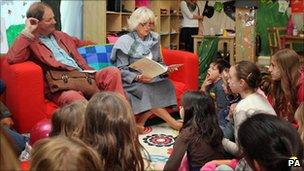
(98, 22)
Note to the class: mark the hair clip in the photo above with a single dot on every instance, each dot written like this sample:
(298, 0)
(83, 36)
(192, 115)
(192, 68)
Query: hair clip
(249, 75)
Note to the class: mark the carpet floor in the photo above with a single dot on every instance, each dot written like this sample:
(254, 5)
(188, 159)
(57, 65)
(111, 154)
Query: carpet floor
(158, 140)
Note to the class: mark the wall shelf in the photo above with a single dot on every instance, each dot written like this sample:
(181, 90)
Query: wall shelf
(96, 28)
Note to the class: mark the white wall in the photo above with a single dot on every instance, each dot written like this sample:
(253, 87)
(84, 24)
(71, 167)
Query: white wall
(71, 17)
(14, 11)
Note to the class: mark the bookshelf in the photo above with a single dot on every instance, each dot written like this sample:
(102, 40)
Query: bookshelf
(98, 22)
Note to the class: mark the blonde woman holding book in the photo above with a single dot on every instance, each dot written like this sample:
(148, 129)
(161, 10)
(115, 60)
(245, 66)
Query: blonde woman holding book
(147, 95)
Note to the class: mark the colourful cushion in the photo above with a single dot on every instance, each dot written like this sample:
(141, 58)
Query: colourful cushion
(97, 56)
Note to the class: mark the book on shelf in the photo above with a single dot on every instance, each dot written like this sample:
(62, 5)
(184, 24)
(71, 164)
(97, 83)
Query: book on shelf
(151, 68)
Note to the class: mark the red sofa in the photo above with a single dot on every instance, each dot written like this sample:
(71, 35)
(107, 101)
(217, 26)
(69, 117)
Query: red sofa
(24, 94)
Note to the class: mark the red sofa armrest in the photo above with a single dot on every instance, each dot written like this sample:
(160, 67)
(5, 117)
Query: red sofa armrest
(188, 73)
(24, 94)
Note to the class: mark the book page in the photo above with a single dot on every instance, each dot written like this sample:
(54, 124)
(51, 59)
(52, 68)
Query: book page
(148, 67)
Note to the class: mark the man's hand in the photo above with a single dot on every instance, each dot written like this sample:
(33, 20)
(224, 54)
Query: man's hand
(30, 30)
(31, 24)
(7, 122)
(144, 79)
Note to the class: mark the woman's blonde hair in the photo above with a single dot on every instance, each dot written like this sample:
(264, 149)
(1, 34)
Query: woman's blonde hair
(64, 153)
(110, 128)
(299, 116)
(140, 15)
(8, 157)
(69, 120)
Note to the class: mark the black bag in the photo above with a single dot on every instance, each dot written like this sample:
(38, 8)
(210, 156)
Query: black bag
(208, 10)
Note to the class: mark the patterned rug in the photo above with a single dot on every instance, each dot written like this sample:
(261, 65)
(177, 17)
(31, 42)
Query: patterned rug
(158, 140)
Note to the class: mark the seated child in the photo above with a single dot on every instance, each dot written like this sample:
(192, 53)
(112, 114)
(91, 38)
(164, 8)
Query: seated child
(232, 99)
(268, 142)
(200, 136)
(110, 128)
(69, 119)
(213, 87)
(6, 122)
(63, 153)
(244, 79)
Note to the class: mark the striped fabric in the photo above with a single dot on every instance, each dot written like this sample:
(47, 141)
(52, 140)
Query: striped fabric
(97, 56)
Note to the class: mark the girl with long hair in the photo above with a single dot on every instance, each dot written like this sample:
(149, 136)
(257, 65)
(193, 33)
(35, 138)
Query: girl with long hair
(201, 137)
(287, 74)
(110, 129)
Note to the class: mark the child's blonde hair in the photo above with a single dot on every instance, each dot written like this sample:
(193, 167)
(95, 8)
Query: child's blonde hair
(69, 120)
(64, 153)
(299, 116)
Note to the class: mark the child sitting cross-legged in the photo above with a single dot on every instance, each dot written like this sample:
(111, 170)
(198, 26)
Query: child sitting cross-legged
(268, 143)
(110, 129)
(64, 153)
(201, 137)
(213, 87)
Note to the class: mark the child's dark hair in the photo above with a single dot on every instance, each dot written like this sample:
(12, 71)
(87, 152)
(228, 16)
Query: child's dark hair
(221, 64)
(265, 83)
(249, 72)
(270, 141)
(201, 117)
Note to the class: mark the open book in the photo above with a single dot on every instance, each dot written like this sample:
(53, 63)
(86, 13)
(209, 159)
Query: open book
(151, 68)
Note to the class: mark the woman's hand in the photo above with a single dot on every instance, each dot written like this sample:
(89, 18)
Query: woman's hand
(199, 17)
(174, 67)
(200, 32)
(144, 79)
